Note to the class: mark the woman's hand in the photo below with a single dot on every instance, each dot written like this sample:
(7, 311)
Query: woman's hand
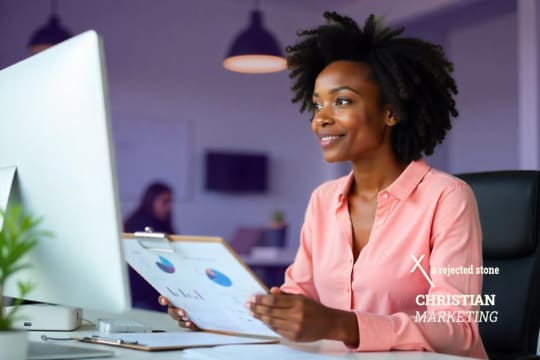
(299, 318)
(178, 314)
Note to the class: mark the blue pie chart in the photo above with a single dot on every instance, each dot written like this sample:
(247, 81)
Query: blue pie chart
(218, 277)
(165, 265)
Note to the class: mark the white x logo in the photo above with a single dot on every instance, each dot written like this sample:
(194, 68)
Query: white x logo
(418, 265)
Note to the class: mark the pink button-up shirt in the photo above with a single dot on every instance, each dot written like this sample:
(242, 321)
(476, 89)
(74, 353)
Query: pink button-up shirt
(423, 213)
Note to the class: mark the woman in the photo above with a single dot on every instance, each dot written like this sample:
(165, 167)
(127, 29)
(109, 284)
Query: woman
(154, 211)
(368, 269)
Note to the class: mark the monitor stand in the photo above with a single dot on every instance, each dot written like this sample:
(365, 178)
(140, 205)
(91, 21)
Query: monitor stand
(44, 316)
(7, 175)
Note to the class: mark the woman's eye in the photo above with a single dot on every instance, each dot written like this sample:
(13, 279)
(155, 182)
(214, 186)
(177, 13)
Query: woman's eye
(316, 106)
(342, 101)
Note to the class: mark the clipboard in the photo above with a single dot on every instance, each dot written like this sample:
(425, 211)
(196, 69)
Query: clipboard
(204, 276)
(171, 340)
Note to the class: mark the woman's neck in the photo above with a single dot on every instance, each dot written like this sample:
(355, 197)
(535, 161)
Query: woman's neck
(374, 174)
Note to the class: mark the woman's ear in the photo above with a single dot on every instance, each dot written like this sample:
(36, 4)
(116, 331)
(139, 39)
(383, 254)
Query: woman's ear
(391, 118)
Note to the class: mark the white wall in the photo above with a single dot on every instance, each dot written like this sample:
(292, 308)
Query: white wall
(485, 137)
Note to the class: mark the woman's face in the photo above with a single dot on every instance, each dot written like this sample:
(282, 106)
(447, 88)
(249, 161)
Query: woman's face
(162, 206)
(348, 118)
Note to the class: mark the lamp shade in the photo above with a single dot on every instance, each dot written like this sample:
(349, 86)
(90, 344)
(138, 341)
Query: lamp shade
(255, 50)
(48, 35)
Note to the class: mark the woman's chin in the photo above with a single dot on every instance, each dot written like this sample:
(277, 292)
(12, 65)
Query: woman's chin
(332, 155)
(332, 158)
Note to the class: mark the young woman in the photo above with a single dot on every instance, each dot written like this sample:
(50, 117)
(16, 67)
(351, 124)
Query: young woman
(154, 210)
(370, 269)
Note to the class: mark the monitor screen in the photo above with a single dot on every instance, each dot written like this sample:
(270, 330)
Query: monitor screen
(55, 129)
(236, 172)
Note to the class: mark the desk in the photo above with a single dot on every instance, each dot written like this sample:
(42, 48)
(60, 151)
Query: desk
(285, 351)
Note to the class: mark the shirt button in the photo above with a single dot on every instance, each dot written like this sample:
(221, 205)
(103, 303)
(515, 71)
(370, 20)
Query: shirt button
(385, 196)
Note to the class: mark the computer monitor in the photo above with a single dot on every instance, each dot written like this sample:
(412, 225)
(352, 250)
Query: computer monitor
(55, 128)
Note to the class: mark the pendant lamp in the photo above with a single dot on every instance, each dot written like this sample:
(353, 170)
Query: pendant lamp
(49, 34)
(255, 50)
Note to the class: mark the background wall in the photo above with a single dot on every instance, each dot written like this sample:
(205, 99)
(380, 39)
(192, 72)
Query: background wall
(481, 40)
(171, 99)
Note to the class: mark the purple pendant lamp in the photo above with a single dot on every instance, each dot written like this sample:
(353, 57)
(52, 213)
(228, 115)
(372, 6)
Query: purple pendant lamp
(49, 34)
(255, 50)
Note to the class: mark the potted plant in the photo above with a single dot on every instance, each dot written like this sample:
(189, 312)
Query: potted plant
(276, 231)
(18, 236)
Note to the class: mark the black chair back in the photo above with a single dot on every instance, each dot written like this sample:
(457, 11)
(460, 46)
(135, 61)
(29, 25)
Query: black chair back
(509, 207)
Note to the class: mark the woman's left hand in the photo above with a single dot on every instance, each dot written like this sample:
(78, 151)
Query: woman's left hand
(299, 318)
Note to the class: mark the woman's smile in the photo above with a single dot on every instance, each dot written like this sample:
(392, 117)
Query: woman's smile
(330, 140)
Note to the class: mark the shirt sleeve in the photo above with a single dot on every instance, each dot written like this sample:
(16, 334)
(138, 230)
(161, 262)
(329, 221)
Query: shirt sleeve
(455, 242)
(299, 275)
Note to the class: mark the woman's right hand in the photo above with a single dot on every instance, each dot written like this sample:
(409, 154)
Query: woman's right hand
(178, 314)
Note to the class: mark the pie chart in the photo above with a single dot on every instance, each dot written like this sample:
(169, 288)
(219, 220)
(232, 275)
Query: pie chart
(165, 265)
(218, 277)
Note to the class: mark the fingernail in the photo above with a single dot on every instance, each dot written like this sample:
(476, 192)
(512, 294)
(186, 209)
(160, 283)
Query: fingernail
(247, 305)
(185, 318)
(188, 323)
(181, 313)
(252, 299)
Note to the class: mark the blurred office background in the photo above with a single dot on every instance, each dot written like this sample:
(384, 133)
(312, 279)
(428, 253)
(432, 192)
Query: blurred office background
(171, 99)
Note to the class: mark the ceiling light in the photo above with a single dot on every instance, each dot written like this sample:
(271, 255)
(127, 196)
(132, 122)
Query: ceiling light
(49, 34)
(255, 50)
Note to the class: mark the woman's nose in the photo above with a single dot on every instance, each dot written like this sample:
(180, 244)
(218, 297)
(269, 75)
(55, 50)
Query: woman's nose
(322, 119)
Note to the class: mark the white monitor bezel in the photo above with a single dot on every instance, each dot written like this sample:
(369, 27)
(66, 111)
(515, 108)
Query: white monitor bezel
(55, 128)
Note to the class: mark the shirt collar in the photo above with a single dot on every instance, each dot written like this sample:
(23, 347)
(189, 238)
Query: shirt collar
(344, 187)
(409, 179)
(401, 188)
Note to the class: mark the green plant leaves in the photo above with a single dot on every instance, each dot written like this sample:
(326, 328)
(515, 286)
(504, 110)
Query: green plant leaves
(19, 235)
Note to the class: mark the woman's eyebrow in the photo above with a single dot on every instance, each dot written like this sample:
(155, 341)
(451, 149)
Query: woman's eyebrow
(338, 89)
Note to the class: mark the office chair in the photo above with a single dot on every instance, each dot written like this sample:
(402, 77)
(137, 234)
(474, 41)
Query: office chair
(509, 206)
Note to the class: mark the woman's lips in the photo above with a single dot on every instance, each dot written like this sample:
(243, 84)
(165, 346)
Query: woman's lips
(329, 140)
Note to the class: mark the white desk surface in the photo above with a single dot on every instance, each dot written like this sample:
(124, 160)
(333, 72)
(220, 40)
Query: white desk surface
(284, 351)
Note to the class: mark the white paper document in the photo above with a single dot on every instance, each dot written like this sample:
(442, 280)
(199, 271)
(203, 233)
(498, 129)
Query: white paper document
(205, 279)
